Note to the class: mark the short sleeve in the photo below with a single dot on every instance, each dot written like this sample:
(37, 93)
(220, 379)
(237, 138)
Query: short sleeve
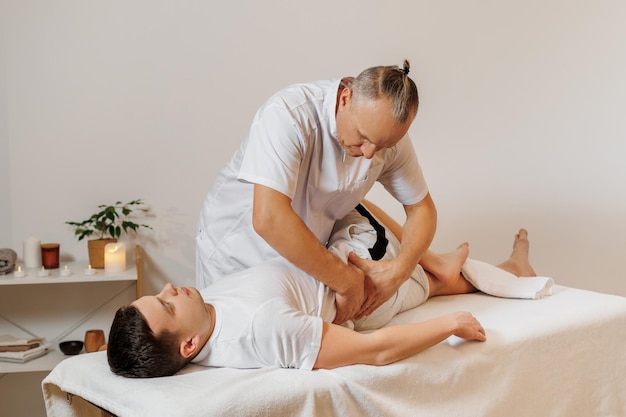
(403, 177)
(274, 151)
(286, 337)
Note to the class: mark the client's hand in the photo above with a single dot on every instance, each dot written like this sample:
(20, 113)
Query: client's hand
(466, 326)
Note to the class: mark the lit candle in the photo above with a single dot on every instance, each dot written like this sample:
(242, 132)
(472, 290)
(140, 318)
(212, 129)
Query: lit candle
(43, 272)
(115, 257)
(65, 272)
(90, 271)
(18, 273)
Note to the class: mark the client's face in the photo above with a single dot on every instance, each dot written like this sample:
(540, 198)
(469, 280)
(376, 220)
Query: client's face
(178, 310)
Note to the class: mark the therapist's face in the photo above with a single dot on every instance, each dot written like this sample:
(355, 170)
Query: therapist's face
(366, 126)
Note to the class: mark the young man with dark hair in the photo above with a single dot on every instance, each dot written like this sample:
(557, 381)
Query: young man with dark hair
(286, 318)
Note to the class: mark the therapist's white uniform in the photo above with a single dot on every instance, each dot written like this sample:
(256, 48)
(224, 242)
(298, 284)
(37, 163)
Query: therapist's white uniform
(292, 147)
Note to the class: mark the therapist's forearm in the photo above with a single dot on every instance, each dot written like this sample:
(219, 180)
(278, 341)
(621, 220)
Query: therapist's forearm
(276, 222)
(417, 234)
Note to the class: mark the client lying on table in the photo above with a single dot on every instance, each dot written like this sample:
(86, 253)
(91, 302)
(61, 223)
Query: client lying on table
(275, 315)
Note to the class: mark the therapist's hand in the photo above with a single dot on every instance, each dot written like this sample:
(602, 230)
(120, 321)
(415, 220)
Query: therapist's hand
(382, 280)
(350, 301)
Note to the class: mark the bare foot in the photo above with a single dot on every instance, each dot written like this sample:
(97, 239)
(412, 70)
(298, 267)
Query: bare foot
(447, 266)
(519, 263)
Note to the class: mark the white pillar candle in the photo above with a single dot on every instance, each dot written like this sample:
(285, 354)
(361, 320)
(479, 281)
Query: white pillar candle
(32, 252)
(115, 257)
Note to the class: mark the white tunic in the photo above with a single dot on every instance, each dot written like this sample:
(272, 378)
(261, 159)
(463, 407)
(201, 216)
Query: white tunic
(292, 147)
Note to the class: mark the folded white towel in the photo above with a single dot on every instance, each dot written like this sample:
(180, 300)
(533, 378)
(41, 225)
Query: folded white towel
(495, 281)
(25, 355)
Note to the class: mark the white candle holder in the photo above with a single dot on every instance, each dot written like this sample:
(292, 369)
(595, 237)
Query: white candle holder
(19, 272)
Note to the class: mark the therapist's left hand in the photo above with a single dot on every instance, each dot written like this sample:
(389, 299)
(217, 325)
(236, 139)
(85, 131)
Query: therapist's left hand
(381, 282)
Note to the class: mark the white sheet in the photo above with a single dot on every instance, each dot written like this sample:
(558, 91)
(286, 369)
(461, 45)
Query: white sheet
(557, 356)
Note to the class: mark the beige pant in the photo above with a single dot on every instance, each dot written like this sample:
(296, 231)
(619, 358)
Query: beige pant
(412, 293)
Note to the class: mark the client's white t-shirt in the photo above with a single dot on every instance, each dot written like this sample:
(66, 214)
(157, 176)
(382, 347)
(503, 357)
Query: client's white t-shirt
(268, 315)
(271, 315)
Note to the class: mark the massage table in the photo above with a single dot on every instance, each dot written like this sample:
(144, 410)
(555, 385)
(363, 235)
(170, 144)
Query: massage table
(561, 355)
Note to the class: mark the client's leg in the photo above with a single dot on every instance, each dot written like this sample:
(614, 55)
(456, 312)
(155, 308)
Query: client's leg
(446, 267)
(519, 263)
(444, 271)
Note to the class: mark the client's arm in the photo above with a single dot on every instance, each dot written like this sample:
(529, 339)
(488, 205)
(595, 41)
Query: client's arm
(342, 346)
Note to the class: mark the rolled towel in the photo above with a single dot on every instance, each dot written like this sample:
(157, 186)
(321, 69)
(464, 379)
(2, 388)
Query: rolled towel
(495, 281)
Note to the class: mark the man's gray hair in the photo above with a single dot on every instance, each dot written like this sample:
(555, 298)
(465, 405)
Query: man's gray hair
(389, 82)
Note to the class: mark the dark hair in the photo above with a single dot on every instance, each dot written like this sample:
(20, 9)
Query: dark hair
(390, 82)
(135, 351)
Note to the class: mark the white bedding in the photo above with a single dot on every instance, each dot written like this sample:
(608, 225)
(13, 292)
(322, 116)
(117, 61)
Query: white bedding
(557, 356)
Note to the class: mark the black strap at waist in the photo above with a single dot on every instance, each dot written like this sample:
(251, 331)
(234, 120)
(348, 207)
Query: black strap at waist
(380, 247)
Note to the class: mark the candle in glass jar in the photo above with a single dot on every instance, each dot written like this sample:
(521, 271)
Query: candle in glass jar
(50, 255)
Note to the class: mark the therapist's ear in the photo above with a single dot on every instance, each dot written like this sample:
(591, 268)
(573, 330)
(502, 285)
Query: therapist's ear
(189, 346)
(345, 97)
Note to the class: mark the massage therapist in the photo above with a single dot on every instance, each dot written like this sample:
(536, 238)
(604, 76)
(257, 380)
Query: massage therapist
(312, 153)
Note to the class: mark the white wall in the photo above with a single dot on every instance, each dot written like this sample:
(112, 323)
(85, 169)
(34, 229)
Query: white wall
(519, 125)
(520, 122)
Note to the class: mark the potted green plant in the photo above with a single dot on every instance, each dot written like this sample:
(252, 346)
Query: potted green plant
(107, 225)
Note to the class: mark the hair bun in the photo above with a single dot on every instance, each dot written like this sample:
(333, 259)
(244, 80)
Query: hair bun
(406, 67)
